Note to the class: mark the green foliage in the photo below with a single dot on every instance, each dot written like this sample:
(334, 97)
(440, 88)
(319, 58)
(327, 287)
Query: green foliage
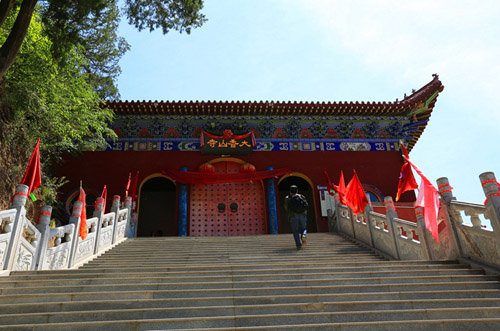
(67, 65)
(55, 101)
(180, 15)
(93, 26)
(50, 100)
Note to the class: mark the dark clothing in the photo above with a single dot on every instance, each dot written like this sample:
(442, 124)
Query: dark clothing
(298, 221)
(288, 207)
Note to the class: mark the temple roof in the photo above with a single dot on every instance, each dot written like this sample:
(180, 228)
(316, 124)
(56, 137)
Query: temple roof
(418, 105)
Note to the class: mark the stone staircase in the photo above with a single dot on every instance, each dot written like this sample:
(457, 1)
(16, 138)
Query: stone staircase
(250, 283)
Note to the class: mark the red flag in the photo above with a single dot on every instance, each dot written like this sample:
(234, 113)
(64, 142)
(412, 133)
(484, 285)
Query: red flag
(355, 196)
(428, 199)
(406, 180)
(83, 217)
(33, 175)
(133, 185)
(341, 189)
(330, 187)
(405, 152)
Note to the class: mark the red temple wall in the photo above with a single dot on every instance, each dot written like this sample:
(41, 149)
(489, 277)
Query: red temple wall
(111, 168)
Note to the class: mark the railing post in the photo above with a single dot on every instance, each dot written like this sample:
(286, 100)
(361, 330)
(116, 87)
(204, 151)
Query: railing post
(115, 205)
(368, 209)
(18, 203)
(330, 215)
(19, 198)
(44, 227)
(491, 190)
(128, 205)
(75, 219)
(115, 208)
(419, 213)
(390, 212)
(337, 216)
(445, 190)
(98, 207)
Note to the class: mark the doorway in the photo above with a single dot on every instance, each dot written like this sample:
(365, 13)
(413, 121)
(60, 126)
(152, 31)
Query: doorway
(305, 190)
(157, 208)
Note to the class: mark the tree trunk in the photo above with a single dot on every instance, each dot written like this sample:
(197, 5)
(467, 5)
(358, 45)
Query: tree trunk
(10, 48)
(5, 8)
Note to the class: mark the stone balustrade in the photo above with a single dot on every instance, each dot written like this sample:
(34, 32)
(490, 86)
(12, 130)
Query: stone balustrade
(461, 232)
(24, 246)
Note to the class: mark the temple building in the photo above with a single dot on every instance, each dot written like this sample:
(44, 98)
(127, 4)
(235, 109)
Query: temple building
(223, 168)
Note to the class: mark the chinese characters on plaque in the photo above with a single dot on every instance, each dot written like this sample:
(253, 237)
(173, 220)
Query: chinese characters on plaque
(228, 144)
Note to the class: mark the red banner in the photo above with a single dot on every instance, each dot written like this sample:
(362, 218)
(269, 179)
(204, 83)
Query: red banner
(190, 177)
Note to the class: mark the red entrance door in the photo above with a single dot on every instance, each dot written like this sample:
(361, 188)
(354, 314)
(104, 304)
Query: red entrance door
(228, 209)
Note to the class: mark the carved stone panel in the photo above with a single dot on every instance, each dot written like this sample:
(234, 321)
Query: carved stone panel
(24, 258)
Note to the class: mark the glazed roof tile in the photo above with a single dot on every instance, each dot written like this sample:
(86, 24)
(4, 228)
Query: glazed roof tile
(403, 107)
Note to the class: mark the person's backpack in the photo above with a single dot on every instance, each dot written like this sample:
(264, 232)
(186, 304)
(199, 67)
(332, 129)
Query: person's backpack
(298, 203)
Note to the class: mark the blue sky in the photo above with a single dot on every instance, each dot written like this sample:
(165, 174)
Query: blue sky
(327, 50)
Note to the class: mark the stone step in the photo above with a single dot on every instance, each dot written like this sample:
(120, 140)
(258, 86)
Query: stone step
(163, 291)
(240, 249)
(155, 318)
(277, 303)
(156, 284)
(180, 272)
(132, 245)
(387, 276)
(407, 325)
(249, 283)
(148, 278)
(230, 258)
(225, 259)
(249, 297)
(289, 264)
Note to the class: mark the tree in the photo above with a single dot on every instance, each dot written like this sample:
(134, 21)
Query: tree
(91, 24)
(50, 101)
(58, 62)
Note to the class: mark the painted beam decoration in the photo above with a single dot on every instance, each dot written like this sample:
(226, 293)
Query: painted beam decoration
(262, 126)
(227, 144)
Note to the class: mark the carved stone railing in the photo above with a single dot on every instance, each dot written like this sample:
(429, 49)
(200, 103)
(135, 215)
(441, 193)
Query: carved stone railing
(344, 222)
(24, 246)
(7, 218)
(461, 231)
(382, 238)
(477, 242)
(82, 249)
(105, 229)
(408, 242)
(55, 246)
(473, 239)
